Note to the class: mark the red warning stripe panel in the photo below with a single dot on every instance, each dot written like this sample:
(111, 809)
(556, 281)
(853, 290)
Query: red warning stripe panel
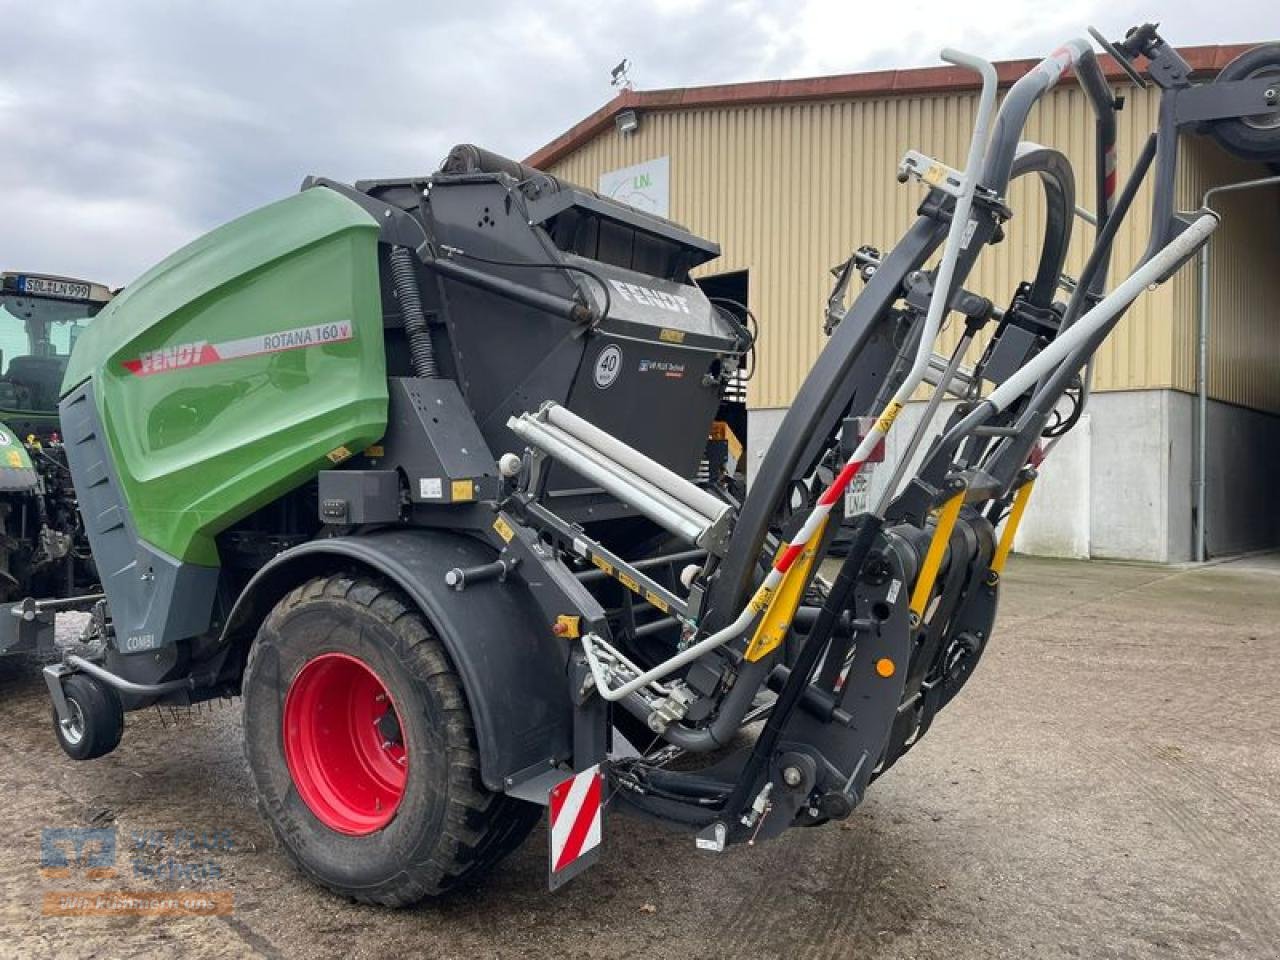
(576, 817)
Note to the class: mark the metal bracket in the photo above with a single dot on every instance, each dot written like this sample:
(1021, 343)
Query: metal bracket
(931, 172)
(1227, 100)
(53, 675)
(606, 560)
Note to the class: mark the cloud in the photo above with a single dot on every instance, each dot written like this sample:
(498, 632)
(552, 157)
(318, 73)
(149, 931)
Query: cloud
(132, 127)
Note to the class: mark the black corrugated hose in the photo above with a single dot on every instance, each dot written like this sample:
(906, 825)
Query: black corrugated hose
(404, 275)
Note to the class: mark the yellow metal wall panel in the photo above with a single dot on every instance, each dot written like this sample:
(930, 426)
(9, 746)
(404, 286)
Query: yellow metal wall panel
(791, 189)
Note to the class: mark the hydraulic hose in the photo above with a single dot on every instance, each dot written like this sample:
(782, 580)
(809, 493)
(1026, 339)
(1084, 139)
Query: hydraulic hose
(1094, 322)
(1011, 454)
(721, 730)
(404, 277)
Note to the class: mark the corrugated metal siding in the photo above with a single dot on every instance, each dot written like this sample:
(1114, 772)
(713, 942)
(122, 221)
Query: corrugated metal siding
(791, 189)
(1244, 284)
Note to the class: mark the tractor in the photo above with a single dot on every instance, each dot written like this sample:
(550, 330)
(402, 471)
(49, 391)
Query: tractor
(43, 549)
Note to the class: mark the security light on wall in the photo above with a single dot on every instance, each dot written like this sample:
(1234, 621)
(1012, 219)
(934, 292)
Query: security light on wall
(628, 122)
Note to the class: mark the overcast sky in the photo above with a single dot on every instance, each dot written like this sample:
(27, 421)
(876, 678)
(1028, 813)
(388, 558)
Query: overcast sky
(131, 126)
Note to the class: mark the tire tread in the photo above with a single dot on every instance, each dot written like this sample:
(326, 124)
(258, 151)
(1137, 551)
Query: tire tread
(480, 826)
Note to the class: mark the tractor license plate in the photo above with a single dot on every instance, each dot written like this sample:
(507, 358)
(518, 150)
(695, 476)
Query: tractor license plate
(857, 495)
(47, 287)
(576, 811)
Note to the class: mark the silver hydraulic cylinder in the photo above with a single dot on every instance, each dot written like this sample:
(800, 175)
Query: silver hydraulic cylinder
(709, 506)
(666, 504)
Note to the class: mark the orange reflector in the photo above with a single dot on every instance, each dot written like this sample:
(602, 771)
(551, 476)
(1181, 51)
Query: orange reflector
(885, 667)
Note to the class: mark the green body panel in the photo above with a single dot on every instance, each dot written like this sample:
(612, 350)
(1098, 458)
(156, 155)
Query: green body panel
(13, 455)
(239, 367)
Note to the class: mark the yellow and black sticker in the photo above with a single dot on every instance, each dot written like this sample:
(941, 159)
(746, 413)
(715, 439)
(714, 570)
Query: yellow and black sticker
(603, 564)
(890, 414)
(375, 451)
(667, 335)
(338, 454)
(461, 491)
(503, 528)
(761, 599)
(657, 601)
(628, 582)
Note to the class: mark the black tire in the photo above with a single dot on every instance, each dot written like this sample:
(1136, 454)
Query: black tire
(448, 829)
(1255, 138)
(97, 721)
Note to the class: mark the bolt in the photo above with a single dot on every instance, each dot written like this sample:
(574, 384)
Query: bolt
(792, 776)
(381, 698)
(1271, 96)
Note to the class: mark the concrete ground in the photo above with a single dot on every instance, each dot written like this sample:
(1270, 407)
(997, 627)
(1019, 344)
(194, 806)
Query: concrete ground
(1105, 787)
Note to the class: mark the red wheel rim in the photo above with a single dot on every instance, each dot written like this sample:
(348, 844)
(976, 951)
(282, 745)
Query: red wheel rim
(343, 745)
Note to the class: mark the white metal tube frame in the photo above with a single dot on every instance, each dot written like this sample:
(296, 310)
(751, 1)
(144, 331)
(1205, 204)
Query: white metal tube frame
(666, 511)
(670, 482)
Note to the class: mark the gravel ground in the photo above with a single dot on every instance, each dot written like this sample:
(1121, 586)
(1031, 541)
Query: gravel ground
(1105, 787)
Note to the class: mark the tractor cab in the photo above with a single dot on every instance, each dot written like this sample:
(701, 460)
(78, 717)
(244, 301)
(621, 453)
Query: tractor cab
(41, 318)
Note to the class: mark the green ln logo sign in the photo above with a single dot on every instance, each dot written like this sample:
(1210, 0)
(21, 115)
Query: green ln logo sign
(645, 186)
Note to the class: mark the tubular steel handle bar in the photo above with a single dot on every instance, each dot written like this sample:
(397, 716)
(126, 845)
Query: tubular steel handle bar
(957, 237)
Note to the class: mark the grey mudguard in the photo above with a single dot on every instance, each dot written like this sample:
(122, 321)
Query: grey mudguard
(156, 600)
(512, 667)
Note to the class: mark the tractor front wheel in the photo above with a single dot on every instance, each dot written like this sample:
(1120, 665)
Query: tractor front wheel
(363, 750)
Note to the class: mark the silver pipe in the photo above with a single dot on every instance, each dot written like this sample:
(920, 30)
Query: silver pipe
(710, 506)
(1086, 216)
(957, 385)
(128, 686)
(601, 460)
(634, 492)
(900, 468)
(1200, 480)
(1202, 406)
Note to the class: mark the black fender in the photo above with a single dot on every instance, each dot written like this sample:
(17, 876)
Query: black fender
(513, 668)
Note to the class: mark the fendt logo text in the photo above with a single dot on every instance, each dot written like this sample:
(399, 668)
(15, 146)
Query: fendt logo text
(651, 298)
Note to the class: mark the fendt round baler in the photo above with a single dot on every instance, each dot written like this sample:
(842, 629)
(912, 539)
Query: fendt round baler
(439, 475)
